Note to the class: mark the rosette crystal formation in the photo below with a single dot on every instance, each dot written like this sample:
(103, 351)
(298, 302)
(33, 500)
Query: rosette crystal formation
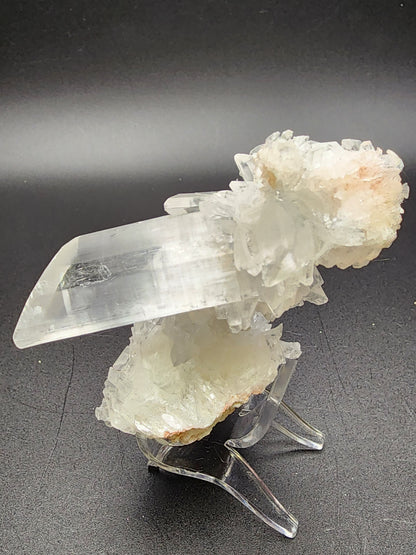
(203, 284)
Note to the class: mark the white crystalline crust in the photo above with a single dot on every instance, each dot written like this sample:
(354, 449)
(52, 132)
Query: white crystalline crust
(182, 374)
(350, 192)
(301, 203)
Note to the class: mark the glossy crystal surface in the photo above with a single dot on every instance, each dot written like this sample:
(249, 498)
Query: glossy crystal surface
(128, 274)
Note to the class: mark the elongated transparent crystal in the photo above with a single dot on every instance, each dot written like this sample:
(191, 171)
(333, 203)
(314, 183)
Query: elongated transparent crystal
(128, 274)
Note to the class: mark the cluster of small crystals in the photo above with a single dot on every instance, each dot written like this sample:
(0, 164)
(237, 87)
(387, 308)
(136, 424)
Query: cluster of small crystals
(350, 192)
(181, 374)
(274, 251)
(301, 203)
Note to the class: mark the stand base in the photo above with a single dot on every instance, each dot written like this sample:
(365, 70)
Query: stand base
(216, 460)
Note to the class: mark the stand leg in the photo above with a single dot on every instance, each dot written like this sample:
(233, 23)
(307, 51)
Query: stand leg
(223, 466)
(215, 459)
(309, 437)
(254, 424)
(243, 483)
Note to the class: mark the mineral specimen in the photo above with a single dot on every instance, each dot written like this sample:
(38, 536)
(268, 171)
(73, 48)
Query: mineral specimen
(181, 374)
(202, 284)
(301, 204)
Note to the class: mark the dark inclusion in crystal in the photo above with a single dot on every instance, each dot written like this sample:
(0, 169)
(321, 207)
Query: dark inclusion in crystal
(84, 274)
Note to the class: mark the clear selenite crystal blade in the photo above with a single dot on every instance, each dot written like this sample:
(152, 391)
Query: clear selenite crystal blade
(128, 274)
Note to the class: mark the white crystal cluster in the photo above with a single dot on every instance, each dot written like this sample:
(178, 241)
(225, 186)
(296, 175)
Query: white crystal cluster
(350, 192)
(182, 374)
(301, 204)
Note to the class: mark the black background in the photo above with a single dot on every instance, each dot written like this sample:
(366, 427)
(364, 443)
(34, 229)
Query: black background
(107, 109)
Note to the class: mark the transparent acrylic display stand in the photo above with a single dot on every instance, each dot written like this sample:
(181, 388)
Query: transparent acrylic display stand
(215, 458)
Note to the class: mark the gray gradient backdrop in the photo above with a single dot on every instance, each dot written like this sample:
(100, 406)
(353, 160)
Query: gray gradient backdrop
(107, 109)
